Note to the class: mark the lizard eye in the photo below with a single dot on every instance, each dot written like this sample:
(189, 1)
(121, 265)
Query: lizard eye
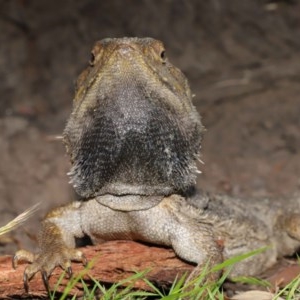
(163, 55)
(92, 59)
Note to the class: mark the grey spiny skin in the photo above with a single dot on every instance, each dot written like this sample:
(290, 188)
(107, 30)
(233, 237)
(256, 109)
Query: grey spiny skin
(133, 138)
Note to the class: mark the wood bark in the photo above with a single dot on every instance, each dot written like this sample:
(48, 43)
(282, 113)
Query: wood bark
(110, 262)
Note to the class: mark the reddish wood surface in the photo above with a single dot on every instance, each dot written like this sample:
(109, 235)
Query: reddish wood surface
(112, 262)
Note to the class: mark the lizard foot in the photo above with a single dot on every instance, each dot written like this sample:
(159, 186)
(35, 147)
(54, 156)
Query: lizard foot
(46, 262)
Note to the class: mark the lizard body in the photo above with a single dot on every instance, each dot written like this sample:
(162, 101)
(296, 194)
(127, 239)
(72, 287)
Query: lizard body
(133, 139)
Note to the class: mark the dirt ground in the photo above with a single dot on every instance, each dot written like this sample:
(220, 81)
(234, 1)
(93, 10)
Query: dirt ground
(241, 57)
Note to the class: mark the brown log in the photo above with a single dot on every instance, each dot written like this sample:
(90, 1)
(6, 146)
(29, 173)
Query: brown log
(111, 262)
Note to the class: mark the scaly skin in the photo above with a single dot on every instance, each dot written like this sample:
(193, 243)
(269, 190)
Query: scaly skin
(133, 139)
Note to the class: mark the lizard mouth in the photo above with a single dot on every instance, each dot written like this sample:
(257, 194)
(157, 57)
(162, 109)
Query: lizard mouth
(128, 202)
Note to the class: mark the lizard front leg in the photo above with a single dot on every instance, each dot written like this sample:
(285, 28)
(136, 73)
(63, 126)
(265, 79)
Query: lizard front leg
(193, 241)
(57, 244)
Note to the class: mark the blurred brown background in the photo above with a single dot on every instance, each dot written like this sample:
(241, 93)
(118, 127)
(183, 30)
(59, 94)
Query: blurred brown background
(242, 58)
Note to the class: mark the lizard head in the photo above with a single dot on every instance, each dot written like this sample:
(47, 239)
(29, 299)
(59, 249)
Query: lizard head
(133, 129)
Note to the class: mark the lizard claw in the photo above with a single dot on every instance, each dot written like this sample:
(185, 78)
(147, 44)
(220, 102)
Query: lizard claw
(45, 262)
(22, 255)
(25, 282)
(69, 272)
(14, 262)
(84, 260)
(45, 278)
